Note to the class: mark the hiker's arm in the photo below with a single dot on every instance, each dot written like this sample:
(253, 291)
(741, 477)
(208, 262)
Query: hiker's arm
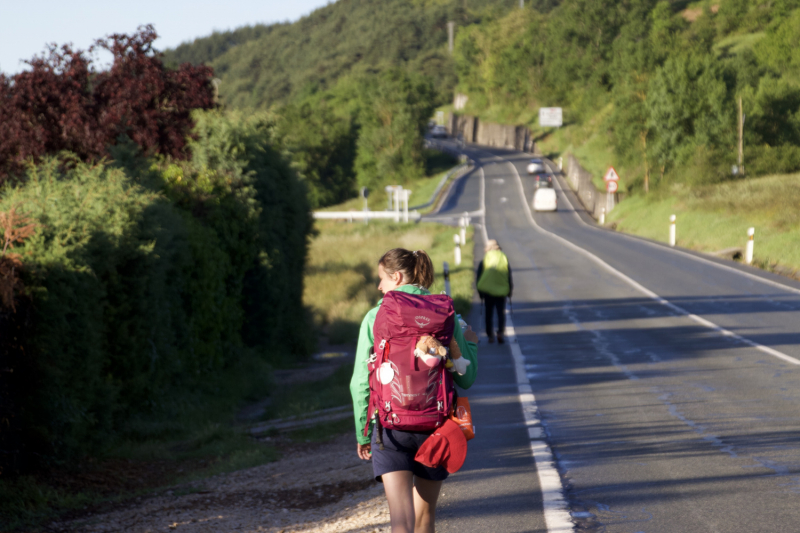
(470, 351)
(359, 383)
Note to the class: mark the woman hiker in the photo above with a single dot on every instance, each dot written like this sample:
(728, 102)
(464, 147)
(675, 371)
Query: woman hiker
(412, 488)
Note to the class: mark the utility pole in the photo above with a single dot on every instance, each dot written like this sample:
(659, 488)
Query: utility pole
(741, 135)
(522, 4)
(451, 30)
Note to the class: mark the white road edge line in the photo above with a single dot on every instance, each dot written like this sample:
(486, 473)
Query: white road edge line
(556, 511)
(678, 250)
(648, 292)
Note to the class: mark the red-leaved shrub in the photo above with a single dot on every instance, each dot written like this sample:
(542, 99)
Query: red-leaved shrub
(62, 103)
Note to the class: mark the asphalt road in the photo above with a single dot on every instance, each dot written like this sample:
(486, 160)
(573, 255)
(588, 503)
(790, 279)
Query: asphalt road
(666, 383)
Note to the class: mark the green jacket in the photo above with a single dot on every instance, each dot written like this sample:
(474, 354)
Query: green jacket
(359, 384)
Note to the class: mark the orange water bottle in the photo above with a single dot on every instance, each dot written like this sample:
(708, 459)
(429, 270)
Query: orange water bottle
(462, 415)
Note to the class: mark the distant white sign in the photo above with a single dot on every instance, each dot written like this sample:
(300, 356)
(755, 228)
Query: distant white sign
(550, 116)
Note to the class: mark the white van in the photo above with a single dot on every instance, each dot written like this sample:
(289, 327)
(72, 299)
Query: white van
(544, 199)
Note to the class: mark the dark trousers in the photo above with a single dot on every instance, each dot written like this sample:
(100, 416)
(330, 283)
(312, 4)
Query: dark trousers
(498, 303)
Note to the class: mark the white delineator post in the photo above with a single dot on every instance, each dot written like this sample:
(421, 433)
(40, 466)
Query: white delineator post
(396, 200)
(560, 163)
(602, 216)
(672, 230)
(406, 193)
(457, 240)
(446, 278)
(748, 251)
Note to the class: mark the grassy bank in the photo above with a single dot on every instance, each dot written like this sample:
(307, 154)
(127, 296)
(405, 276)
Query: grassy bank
(714, 217)
(342, 278)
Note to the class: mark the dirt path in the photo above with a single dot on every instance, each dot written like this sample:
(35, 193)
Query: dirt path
(324, 488)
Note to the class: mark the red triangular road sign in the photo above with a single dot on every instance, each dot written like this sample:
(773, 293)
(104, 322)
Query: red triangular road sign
(611, 175)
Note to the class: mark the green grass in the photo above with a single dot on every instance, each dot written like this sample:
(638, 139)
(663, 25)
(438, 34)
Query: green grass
(189, 448)
(715, 217)
(25, 502)
(181, 439)
(322, 432)
(299, 399)
(342, 272)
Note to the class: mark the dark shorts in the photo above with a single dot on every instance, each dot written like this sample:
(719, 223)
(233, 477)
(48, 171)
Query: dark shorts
(399, 449)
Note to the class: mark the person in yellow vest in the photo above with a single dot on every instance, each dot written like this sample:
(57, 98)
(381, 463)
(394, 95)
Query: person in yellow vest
(494, 286)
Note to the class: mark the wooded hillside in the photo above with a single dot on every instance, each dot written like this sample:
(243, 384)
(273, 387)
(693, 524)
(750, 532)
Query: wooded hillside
(654, 84)
(260, 65)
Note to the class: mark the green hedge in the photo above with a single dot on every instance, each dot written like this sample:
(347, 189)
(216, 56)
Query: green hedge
(147, 276)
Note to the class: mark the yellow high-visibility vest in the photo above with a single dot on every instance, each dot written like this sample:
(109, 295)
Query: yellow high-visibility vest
(494, 278)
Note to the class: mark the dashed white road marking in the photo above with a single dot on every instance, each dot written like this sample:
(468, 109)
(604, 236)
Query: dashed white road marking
(648, 292)
(679, 250)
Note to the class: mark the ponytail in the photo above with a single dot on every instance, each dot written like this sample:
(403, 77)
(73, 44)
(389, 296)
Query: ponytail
(423, 269)
(416, 266)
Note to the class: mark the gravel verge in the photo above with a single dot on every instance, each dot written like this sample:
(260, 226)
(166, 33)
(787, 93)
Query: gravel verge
(321, 488)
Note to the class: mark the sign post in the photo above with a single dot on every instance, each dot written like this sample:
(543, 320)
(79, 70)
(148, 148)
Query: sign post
(406, 193)
(612, 185)
(389, 195)
(446, 278)
(611, 175)
(365, 194)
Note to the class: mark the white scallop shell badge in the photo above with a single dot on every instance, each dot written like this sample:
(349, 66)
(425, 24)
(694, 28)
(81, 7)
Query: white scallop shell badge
(385, 373)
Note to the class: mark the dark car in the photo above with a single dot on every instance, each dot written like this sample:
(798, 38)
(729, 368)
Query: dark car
(438, 132)
(542, 179)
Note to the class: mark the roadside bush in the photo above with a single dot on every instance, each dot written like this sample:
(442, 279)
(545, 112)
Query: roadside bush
(277, 201)
(146, 280)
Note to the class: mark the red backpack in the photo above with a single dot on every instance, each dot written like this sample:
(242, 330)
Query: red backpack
(405, 393)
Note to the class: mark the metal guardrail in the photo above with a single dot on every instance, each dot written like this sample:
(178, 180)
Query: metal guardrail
(361, 215)
(412, 211)
(455, 170)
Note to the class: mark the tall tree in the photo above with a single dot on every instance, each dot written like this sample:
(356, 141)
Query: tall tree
(396, 107)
